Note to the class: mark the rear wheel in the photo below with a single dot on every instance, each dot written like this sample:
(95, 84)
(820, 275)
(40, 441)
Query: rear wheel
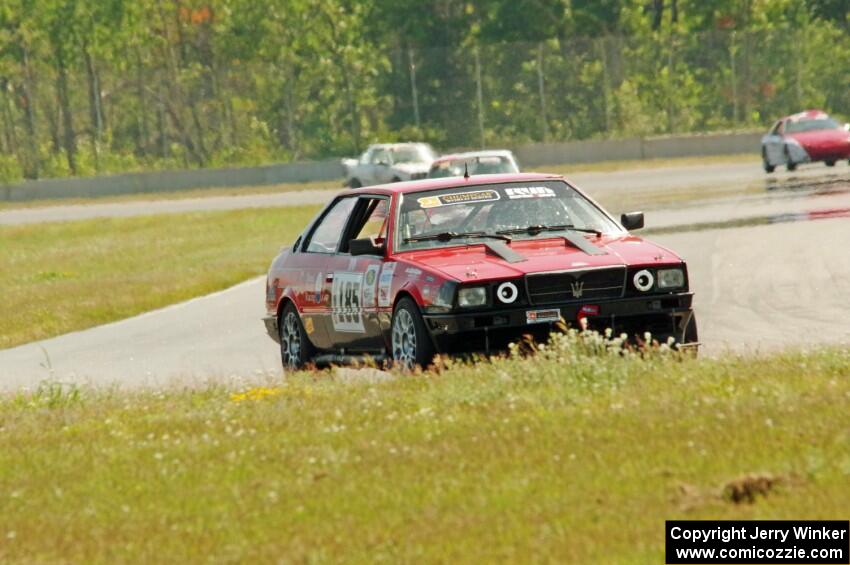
(768, 168)
(411, 344)
(295, 348)
(354, 183)
(789, 163)
(830, 163)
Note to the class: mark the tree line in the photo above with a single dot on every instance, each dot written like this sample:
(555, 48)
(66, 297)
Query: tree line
(96, 86)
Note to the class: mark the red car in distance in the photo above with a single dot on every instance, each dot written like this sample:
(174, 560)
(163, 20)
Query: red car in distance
(806, 137)
(404, 271)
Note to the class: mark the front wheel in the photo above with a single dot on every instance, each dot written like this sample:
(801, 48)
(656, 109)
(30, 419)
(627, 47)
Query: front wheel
(789, 164)
(830, 163)
(295, 348)
(411, 344)
(355, 183)
(768, 168)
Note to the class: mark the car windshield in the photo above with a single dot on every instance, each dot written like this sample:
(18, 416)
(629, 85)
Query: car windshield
(524, 210)
(489, 165)
(799, 126)
(411, 154)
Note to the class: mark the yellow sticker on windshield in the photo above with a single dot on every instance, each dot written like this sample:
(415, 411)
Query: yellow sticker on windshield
(458, 198)
(429, 202)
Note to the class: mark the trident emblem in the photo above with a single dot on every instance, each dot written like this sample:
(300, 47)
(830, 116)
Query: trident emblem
(578, 288)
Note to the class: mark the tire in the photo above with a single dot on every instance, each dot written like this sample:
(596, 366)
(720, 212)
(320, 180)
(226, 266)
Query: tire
(396, 179)
(354, 183)
(410, 342)
(768, 168)
(789, 164)
(295, 348)
(830, 163)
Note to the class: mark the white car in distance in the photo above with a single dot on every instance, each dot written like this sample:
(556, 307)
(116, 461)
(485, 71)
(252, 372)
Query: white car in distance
(389, 162)
(485, 162)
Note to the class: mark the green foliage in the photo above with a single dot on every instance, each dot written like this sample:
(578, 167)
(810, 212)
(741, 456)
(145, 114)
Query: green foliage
(100, 86)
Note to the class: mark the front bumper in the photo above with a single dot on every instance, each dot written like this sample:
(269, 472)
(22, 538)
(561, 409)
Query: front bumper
(663, 316)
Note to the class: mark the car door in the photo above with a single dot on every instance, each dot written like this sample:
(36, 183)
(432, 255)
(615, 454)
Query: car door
(354, 324)
(317, 263)
(774, 145)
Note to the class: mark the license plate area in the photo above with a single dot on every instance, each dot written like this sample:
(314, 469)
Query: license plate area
(548, 315)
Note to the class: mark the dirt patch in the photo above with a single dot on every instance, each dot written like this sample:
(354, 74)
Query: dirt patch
(748, 488)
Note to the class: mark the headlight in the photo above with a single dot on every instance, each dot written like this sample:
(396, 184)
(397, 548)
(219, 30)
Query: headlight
(470, 297)
(671, 278)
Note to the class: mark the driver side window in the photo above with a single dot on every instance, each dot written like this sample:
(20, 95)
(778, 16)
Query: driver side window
(375, 225)
(326, 236)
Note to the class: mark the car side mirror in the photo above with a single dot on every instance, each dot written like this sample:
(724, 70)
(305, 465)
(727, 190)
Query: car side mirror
(632, 220)
(365, 246)
(383, 163)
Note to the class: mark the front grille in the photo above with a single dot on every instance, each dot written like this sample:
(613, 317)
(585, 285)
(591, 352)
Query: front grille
(417, 176)
(576, 286)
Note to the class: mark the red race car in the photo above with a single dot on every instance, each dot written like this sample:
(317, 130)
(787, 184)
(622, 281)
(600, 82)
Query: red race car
(806, 137)
(404, 271)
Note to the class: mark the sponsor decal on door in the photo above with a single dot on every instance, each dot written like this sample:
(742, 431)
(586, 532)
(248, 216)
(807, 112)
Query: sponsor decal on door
(385, 282)
(370, 286)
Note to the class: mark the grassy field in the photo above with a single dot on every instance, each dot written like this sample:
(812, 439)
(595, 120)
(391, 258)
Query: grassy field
(572, 456)
(62, 277)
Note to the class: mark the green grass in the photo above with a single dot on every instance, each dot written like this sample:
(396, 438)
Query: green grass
(568, 457)
(67, 276)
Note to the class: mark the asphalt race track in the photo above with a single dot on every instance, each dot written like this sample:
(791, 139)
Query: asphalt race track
(770, 269)
(667, 178)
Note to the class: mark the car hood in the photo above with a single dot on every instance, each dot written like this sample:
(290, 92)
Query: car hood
(412, 167)
(476, 263)
(820, 137)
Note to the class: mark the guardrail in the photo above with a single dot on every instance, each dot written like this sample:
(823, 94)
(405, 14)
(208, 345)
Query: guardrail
(530, 156)
(168, 181)
(592, 151)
